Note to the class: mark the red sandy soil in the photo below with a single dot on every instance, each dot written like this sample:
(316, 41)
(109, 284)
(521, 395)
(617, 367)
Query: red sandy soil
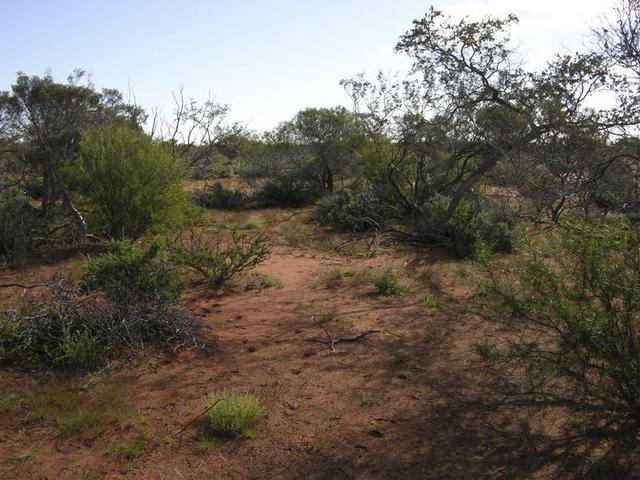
(410, 401)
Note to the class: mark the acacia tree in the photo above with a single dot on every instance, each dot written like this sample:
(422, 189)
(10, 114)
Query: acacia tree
(44, 119)
(317, 145)
(469, 106)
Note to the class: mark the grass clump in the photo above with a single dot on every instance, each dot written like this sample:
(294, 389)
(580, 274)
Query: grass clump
(133, 447)
(233, 413)
(334, 278)
(21, 457)
(388, 284)
(251, 224)
(260, 281)
(429, 301)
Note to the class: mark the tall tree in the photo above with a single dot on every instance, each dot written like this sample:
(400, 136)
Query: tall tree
(45, 119)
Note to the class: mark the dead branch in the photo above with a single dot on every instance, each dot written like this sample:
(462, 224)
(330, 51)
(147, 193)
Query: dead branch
(332, 342)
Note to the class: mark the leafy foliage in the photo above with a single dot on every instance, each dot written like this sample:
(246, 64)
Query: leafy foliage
(132, 182)
(387, 283)
(470, 223)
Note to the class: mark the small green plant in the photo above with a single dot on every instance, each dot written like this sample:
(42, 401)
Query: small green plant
(431, 334)
(205, 443)
(334, 278)
(79, 349)
(89, 474)
(21, 456)
(429, 301)
(78, 421)
(486, 351)
(317, 445)
(133, 447)
(233, 413)
(260, 281)
(388, 284)
(368, 399)
(251, 224)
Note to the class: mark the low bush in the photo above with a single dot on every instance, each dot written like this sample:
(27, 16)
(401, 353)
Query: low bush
(470, 223)
(67, 328)
(280, 194)
(19, 224)
(577, 315)
(217, 257)
(233, 413)
(388, 284)
(131, 272)
(127, 299)
(354, 208)
(217, 196)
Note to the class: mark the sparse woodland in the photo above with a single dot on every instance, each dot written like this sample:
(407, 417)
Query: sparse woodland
(441, 281)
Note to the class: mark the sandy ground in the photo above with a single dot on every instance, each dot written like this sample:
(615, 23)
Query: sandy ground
(409, 401)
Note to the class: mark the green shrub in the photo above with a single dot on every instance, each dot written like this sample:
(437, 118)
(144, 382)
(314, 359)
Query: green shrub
(217, 196)
(388, 284)
(129, 271)
(280, 194)
(471, 222)
(130, 182)
(217, 258)
(354, 208)
(235, 413)
(79, 349)
(127, 299)
(577, 315)
(19, 224)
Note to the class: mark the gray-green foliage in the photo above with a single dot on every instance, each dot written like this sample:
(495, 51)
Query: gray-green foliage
(355, 208)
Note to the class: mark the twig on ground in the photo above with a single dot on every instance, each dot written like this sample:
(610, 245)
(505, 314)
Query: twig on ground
(332, 342)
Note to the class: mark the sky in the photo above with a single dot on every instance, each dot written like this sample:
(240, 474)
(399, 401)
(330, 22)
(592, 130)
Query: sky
(267, 59)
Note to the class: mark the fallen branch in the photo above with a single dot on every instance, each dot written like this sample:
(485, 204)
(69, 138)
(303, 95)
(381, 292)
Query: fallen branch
(332, 342)
(20, 285)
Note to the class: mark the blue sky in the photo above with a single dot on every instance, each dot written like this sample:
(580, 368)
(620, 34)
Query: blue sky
(266, 58)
